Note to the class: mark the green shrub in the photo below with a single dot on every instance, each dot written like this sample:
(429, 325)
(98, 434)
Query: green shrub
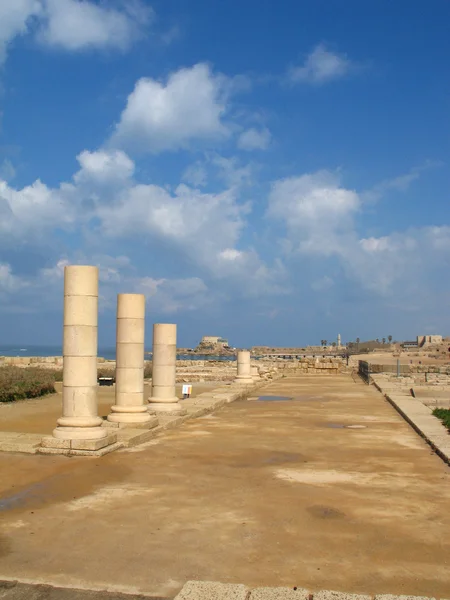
(444, 415)
(18, 384)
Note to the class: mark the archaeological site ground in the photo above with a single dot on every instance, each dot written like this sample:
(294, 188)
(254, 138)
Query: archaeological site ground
(306, 477)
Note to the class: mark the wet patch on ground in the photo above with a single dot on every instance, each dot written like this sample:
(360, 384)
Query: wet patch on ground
(325, 512)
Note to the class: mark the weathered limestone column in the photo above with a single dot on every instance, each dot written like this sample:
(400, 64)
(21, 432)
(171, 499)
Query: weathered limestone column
(163, 398)
(244, 374)
(255, 373)
(80, 420)
(130, 407)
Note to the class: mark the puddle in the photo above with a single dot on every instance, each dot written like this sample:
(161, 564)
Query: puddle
(274, 398)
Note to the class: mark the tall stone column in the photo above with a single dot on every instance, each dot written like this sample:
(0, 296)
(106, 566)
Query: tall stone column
(130, 407)
(80, 420)
(244, 374)
(163, 398)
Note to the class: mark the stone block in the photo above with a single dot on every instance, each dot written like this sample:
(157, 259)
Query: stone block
(93, 444)
(100, 452)
(211, 590)
(279, 593)
(51, 442)
(330, 595)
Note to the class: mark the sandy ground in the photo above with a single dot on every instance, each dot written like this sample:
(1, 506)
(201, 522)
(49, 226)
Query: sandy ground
(39, 415)
(261, 493)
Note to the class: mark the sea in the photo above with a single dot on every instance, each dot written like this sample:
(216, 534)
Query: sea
(108, 353)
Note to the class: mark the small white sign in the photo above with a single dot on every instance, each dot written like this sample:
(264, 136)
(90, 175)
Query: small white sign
(187, 390)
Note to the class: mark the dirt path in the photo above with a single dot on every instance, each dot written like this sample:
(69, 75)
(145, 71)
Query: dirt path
(261, 493)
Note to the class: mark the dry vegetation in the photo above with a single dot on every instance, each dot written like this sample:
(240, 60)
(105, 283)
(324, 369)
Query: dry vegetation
(18, 383)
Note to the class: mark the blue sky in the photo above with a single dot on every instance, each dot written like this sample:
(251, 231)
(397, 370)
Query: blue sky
(273, 173)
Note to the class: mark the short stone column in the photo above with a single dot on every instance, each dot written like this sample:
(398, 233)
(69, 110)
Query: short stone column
(130, 408)
(255, 373)
(80, 420)
(244, 374)
(163, 399)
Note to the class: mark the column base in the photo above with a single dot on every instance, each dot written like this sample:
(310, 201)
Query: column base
(244, 380)
(149, 423)
(80, 433)
(166, 408)
(52, 445)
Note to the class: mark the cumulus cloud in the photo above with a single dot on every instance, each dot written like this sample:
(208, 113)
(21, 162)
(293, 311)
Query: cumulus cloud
(316, 210)
(174, 295)
(72, 24)
(189, 105)
(104, 167)
(77, 25)
(15, 18)
(34, 209)
(321, 66)
(254, 139)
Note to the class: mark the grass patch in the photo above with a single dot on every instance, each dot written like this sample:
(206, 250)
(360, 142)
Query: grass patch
(444, 415)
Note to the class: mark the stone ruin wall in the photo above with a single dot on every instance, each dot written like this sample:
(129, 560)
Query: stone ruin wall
(191, 371)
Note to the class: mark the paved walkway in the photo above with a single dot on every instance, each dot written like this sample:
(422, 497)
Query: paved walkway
(260, 493)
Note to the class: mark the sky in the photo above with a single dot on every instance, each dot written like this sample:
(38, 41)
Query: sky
(274, 173)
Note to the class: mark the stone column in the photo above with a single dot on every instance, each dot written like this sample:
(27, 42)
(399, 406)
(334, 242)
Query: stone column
(255, 373)
(130, 407)
(163, 398)
(244, 374)
(80, 420)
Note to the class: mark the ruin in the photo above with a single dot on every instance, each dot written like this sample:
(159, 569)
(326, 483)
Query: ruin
(244, 373)
(130, 407)
(80, 420)
(163, 398)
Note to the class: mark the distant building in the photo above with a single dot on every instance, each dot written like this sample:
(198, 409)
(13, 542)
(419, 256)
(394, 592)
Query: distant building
(412, 344)
(213, 340)
(426, 340)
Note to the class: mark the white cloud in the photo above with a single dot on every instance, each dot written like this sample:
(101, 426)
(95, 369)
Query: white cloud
(174, 295)
(321, 66)
(34, 209)
(8, 281)
(254, 139)
(104, 167)
(161, 116)
(72, 24)
(317, 212)
(15, 16)
(196, 175)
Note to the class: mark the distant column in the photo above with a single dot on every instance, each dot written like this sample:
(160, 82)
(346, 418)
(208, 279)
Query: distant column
(244, 374)
(255, 373)
(130, 334)
(163, 398)
(80, 420)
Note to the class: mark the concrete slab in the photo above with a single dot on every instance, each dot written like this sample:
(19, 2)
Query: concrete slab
(212, 590)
